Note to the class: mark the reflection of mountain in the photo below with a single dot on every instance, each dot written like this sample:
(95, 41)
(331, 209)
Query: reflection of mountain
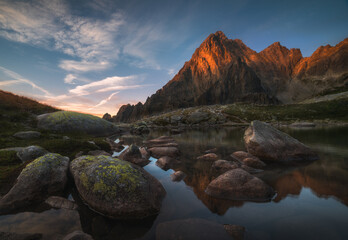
(325, 179)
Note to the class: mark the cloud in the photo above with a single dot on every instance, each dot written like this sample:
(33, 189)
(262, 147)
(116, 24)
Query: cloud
(18, 79)
(104, 101)
(50, 24)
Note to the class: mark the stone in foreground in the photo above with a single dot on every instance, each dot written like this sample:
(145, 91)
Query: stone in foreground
(27, 135)
(65, 121)
(191, 229)
(238, 184)
(116, 188)
(270, 144)
(45, 176)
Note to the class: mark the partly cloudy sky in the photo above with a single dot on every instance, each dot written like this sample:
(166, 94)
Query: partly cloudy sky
(95, 55)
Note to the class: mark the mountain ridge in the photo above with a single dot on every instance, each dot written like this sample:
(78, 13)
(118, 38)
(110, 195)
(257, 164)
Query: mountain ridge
(223, 71)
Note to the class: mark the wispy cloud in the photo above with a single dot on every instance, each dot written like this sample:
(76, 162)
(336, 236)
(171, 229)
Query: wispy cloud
(18, 79)
(104, 101)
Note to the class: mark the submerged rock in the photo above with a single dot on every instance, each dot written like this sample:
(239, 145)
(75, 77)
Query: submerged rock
(191, 229)
(31, 153)
(65, 121)
(268, 143)
(133, 155)
(208, 156)
(238, 184)
(116, 188)
(27, 135)
(177, 176)
(45, 176)
(78, 235)
(235, 231)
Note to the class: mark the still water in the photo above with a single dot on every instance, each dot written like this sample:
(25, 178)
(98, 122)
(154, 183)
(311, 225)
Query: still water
(311, 200)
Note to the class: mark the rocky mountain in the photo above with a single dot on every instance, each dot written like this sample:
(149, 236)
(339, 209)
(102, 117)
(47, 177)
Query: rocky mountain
(223, 71)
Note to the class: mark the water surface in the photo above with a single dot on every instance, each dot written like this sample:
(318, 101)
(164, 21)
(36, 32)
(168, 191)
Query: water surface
(311, 200)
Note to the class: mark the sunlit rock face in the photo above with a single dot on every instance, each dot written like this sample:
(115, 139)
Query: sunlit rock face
(225, 70)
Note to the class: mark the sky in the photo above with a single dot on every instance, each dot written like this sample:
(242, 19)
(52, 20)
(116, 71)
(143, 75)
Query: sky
(93, 56)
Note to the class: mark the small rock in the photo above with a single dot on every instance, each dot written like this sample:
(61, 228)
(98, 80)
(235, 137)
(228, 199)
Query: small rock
(223, 166)
(60, 202)
(254, 162)
(78, 235)
(178, 176)
(27, 135)
(31, 153)
(144, 153)
(240, 155)
(165, 162)
(213, 150)
(158, 152)
(133, 155)
(66, 138)
(208, 156)
(235, 231)
(238, 184)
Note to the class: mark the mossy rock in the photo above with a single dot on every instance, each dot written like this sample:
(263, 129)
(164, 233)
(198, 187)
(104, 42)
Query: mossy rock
(65, 121)
(116, 188)
(45, 176)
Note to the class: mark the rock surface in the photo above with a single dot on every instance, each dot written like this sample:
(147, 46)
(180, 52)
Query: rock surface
(78, 235)
(116, 188)
(166, 162)
(236, 232)
(178, 176)
(270, 144)
(65, 121)
(27, 135)
(223, 166)
(31, 153)
(191, 229)
(98, 152)
(238, 184)
(133, 155)
(45, 176)
(208, 156)
(158, 152)
(60, 202)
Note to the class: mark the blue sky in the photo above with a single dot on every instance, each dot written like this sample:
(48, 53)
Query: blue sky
(93, 56)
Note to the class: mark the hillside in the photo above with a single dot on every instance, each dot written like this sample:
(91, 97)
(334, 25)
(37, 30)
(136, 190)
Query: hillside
(224, 71)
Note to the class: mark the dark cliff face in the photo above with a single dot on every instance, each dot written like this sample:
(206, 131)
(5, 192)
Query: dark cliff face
(224, 71)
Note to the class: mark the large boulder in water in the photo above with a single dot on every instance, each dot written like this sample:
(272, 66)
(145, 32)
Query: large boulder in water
(238, 184)
(268, 143)
(65, 121)
(45, 176)
(116, 188)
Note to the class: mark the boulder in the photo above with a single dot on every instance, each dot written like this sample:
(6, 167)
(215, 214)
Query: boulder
(78, 235)
(31, 153)
(116, 188)
(97, 153)
(208, 156)
(238, 184)
(61, 203)
(158, 152)
(223, 166)
(20, 236)
(45, 176)
(270, 144)
(166, 162)
(177, 176)
(133, 155)
(27, 135)
(65, 121)
(191, 229)
(254, 162)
